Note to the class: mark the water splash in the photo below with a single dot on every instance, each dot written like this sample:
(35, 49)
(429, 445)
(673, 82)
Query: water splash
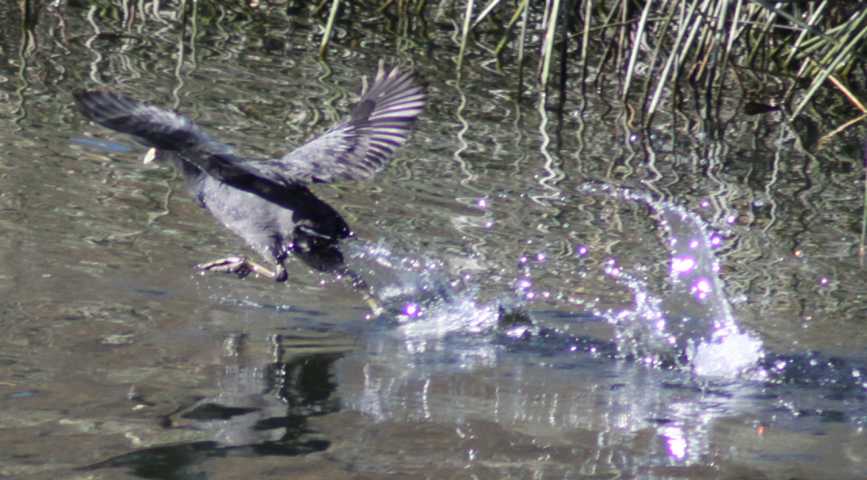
(691, 324)
(419, 294)
(704, 330)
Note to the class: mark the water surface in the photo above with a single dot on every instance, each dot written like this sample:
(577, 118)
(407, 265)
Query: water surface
(120, 361)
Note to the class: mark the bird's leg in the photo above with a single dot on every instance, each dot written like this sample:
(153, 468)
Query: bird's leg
(242, 266)
(359, 285)
(280, 274)
(329, 259)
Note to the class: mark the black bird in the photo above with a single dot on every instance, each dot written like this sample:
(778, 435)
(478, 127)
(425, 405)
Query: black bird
(267, 202)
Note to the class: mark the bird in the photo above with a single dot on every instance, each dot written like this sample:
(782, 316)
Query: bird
(268, 202)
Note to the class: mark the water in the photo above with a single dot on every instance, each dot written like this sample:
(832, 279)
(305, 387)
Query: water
(698, 324)
(697, 311)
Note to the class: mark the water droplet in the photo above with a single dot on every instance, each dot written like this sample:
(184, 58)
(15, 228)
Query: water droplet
(701, 288)
(411, 310)
(681, 265)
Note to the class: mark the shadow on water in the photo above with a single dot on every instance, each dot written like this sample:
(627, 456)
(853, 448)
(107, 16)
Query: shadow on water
(260, 411)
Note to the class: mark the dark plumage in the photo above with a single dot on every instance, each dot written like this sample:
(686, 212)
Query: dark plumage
(267, 202)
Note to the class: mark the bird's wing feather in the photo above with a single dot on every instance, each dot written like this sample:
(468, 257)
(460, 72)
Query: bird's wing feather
(355, 149)
(361, 146)
(166, 130)
(150, 125)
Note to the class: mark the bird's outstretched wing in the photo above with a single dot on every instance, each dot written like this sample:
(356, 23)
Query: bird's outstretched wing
(150, 125)
(353, 150)
(361, 146)
(169, 131)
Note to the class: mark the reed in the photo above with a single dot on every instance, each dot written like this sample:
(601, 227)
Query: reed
(652, 49)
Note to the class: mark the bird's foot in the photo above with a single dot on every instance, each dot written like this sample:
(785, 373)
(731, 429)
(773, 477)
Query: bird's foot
(240, 266)
(359, 285)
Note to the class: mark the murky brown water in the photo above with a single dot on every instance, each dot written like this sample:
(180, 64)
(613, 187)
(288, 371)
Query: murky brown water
(118, 360)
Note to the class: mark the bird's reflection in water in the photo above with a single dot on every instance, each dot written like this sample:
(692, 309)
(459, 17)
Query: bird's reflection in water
(259, 410)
